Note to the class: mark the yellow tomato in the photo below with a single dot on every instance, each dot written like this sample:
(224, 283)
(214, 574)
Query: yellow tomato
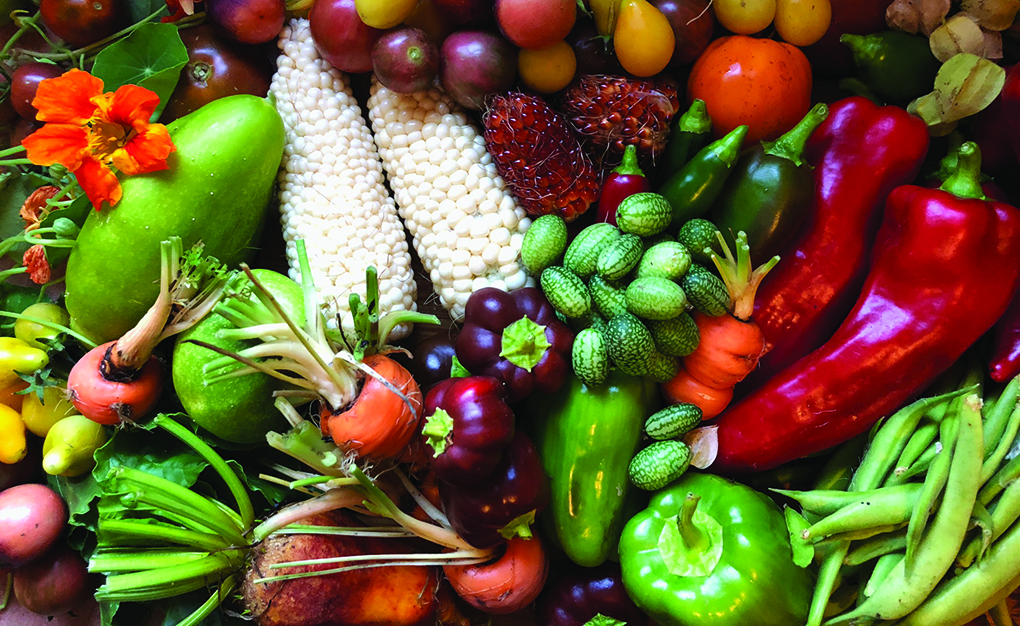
(547, 70)
(9, 395)
(744, 17)
(643, 39)
(384, 13)
(13, 444)
(802, 22)
(41, 415)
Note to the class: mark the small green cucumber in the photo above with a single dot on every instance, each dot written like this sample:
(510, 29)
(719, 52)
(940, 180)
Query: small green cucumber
(619, 257)
(678, 336)
(659, 464)
(565, 291)
(590, 357)
(662, 367)
(544, 242)
(673, 421)
(644, 214)
(589, 319)
(706, 292)
(668, 259)
(654, 298)
(583, 252)
(629, 344)
(696, 235)
(610, 298)
(655, 240)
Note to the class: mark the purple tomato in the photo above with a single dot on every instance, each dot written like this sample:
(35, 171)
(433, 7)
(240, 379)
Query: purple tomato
(25, 82)
(474, 64)
(405, 60)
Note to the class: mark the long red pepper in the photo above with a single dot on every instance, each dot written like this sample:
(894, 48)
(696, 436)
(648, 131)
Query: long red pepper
(943, 270)
(860, 153)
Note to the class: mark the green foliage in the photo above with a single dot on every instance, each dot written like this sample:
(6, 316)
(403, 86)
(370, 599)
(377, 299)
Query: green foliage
(151, 57)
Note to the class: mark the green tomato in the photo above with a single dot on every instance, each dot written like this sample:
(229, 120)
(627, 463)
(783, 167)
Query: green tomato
(32, 332)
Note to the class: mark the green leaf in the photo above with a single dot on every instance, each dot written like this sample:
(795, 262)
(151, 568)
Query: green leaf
(14, 189)
(78, 492)
(150, 57)
(457, 369)
(138, 10)
(149, 452)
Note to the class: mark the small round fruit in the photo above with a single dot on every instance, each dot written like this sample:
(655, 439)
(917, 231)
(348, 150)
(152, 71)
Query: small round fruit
(31, 520)
(643, 38)
(40, 415)
(25, 82)
(248, 21)
(36, 334)
(474, 64)
(744, 17)
(693, 25)
(802, 22)
(384, 13)
(547, 70)
(405, 60)
(80, 22)
(54, 584)
(341, 37)
(535, 23)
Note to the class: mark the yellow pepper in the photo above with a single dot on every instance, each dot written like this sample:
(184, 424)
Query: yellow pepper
(13, 445)
(16, 356)
(70, 445)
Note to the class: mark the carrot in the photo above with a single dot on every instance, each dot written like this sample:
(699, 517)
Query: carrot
(730, 344)
(506, 585)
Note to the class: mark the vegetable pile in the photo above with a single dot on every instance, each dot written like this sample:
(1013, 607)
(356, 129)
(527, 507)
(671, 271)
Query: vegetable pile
(582, 313)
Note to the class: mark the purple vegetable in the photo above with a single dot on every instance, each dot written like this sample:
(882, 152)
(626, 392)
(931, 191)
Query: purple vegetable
(474, 64)
(405, 60)
(580, 593)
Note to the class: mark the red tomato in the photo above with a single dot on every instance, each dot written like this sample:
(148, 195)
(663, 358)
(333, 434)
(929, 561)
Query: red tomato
(80, 22)
(763, 83)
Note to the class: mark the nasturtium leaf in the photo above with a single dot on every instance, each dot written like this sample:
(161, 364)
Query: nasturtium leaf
(151, 452)
(965, 85)
(150, 57)
(138, 10)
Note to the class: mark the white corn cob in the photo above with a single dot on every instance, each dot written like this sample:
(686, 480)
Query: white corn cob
(466, 226)
(331, 186)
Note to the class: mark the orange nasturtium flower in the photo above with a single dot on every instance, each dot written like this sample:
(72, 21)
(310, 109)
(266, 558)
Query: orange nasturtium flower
(88, 131)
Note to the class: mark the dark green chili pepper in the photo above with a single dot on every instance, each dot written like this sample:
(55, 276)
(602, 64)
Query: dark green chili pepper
(894, 65)
(695, 187)
(689, 135)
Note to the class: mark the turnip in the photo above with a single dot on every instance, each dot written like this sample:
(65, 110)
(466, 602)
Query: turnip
(55, 583)
(32, 517)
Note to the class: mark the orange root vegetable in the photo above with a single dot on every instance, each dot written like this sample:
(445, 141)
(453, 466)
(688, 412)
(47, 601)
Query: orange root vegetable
(380, 423)
(729, 350)
(110, 401)
(506, 585)
(684, 388)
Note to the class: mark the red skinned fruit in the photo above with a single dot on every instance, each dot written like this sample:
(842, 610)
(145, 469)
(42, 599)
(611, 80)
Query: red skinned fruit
(405, 60)
(474, 64)
(25, 82)
(535, 24)
(80, 22)
(341, 37)
(32, 517)
(248, 21)
(55, 583)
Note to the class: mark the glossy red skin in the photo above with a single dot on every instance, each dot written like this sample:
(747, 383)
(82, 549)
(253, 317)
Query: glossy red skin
(860, 153)
(577, 595)
(615, 189)
(483, 426)
(25, 82)
(474, 64)
(32, 518)
(487, 313)
(535, 24)
(915, 317)
(432, 360)
(397, 68)
(518, 485)
(464, 12)
(828, 56)
(248, 21)
(341, 37)
(216, 68)
(693, 24)
(1005, 361)
(80, 22)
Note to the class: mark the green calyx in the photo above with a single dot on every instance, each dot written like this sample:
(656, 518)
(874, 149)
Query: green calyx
(524, 343)
(965, 181)
(438, 431)
(695, 119)
(629, 165)
(519, 526)
(691, 544)
(727, 149)
(791, 145)
(741, 282)
(604, 620)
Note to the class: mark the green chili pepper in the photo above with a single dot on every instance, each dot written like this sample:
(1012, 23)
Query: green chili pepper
(586, 437)
(694, 188)
(769, 190)
(894, 65)
(704, 542)
(690, 132)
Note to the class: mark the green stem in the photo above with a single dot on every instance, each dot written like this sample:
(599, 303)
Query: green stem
(22, 29)
(965, 182)
(12, 150)
(119, 531)
(85, 341)
(629, 165)
(345, 531)
(727, 149)
(692, 536)
(117, 561)
(73, 54)
(167, 581)
(16, 162)
(999, 614)
(791, 145)
(741, 282)
(210, 605)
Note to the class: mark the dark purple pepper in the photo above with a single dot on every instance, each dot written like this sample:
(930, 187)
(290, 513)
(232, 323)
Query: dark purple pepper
(626, 180)
(578, 594)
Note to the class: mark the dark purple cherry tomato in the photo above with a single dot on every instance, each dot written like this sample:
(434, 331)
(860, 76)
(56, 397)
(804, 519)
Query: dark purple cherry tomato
(341, 37)
(433, 360)
(578, 594)
(25, 82)
(81, 22)
(474, 64)
(467, 426)
(693, 23)
(216, 68)
(248, 21)
(503, 504)
(405, 60)
(461, 12)
(593, 53)
(495, 324)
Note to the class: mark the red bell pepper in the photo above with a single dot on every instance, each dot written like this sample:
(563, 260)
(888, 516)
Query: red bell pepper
(624, 181)
(943, 270)
(860, 153)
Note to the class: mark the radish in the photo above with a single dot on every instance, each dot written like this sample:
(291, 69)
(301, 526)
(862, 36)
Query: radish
(121, 381)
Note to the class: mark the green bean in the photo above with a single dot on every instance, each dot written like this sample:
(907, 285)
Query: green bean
(970, 594)
(938, 475)
(883, 567)
(997, 418)
(828, 572)
(840, 467)
(1004, 512)
(865, 533)
(826, 502)
(922, 463)
(1006, 475)
(915, 448)
(999, 614)
(891, 438)
(904, 589)
(883, 507)
(999, 450)
(875, 547)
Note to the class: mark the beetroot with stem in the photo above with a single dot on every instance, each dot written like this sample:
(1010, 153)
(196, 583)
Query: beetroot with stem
(405, 60)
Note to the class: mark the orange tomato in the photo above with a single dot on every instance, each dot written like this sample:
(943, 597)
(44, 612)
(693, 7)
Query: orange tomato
(763, 83)
(643, 39)
(547, 70)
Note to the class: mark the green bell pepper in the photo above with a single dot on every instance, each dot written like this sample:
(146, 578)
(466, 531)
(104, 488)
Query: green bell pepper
(586, 437)
(711, 551)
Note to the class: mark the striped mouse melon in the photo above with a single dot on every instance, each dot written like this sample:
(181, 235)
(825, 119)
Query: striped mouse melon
(216, 190)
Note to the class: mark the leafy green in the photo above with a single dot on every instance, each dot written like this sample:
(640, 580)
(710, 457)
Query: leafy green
(182, 606)
(157, 455)
(138, 10)
(151, 57)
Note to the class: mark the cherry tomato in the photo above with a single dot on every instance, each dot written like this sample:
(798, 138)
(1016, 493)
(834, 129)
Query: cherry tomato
(744, 16)
(248, 21)
(802, 22)
(384, 13)
(80, 22)
(643, 38)
(36, 334)
(25, 82)
(547, 70)
(759, 82)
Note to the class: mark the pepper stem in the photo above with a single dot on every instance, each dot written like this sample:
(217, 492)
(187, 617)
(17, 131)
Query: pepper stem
(629, 165)
(695, 119)
(736, 272)
(727, 149)
(438, 428)
(693, 537)
(524, 343)
(791, 145)
(965, 181)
